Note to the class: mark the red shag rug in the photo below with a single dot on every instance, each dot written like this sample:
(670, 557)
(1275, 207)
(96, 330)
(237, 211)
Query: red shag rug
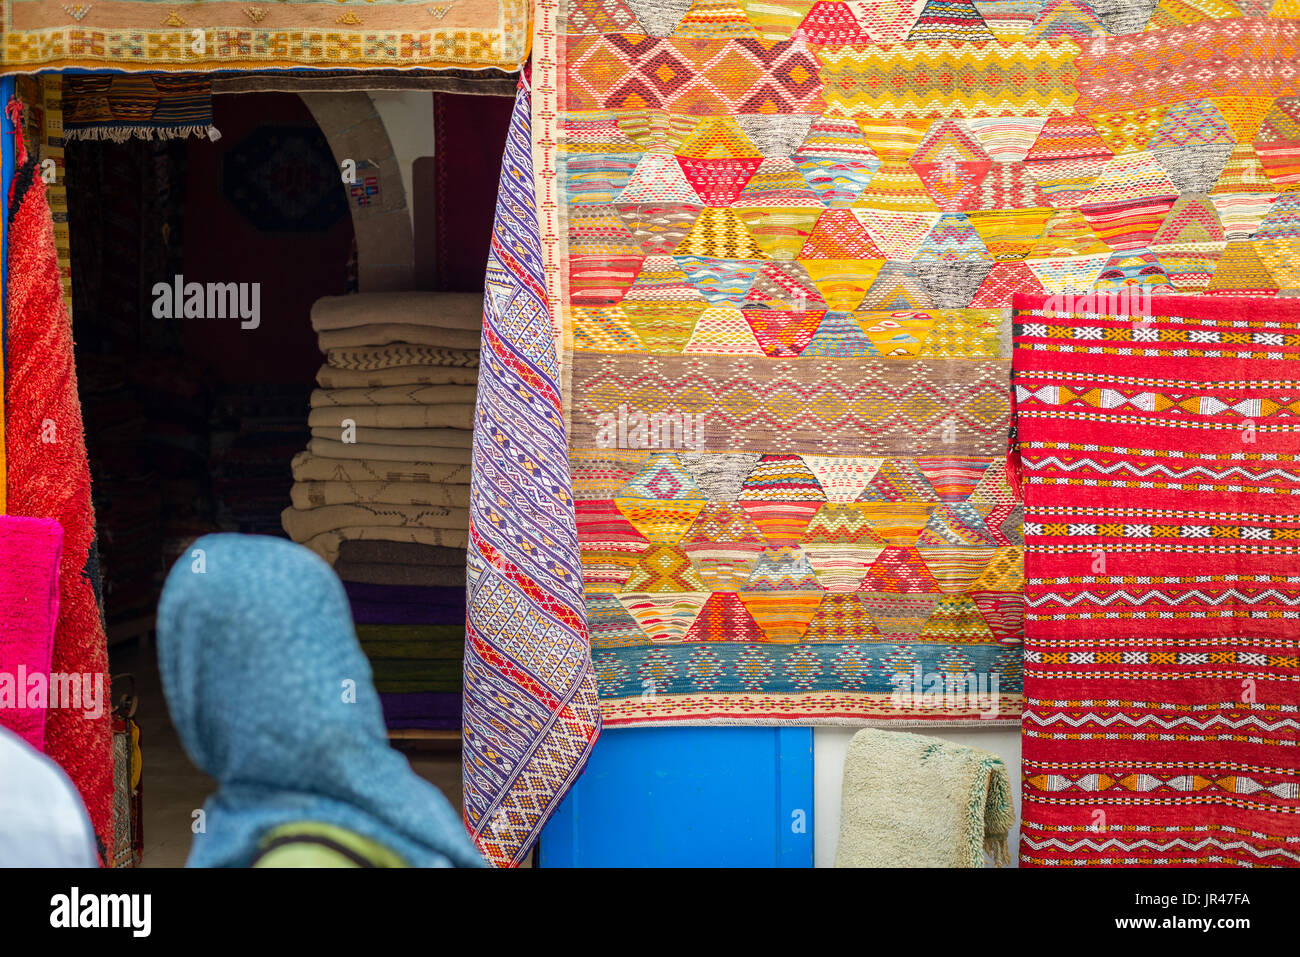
(49, 478)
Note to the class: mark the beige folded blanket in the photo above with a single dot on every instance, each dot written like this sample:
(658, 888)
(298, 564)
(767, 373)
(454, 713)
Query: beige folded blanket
(413, 394)
(373, 435)
(318, 494)
(331, 378)
(387, 332)
(371, 451)
(327, 544)
(311, 468)
(394, 417)
(914, 801)
(301, 524)
(444, 310)
(400, 354)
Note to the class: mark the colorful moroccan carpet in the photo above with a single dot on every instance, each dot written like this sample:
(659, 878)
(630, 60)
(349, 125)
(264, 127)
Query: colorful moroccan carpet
(48, 477)
(530, 709)
(785, 240)
(208, 35)
(1160, 460)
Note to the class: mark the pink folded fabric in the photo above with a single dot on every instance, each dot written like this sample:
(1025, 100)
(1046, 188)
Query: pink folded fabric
(30, 551)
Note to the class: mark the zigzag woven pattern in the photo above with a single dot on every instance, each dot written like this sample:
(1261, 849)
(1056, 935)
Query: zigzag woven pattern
(529, 700)
(1162, 709)
(785, 240)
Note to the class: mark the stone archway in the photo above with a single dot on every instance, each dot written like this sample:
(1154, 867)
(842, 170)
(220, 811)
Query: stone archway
(382, 224)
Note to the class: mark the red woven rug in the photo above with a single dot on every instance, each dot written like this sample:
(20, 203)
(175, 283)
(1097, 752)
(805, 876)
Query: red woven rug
(1162, 683)
(49, 478)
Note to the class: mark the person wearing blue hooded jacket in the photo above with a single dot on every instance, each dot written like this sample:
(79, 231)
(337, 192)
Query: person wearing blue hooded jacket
(272, 696)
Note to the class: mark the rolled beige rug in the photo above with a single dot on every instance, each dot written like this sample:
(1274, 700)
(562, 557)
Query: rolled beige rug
(442, 310)
(405, 417)
(372, 451)
(319, 494)
(408, 394)
(331, 378)
(389, 332)
(400, 354)
(427, 438)
(307, 467)
(324, 529)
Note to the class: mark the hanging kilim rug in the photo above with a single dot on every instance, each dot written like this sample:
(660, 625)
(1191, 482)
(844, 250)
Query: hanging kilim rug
(530, 708)
(785, 240)
(1160, 451)
(146, 106)
(206, 34)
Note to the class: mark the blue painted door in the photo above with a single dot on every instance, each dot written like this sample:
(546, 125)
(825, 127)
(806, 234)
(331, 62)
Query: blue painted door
(689, 797)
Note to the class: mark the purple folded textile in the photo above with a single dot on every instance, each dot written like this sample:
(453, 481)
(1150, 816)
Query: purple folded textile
(406, 604)
(413, 594)
(424, 710)
(407, 613)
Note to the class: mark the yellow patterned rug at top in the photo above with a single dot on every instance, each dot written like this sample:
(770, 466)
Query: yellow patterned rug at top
(212, 35)
(782, 237)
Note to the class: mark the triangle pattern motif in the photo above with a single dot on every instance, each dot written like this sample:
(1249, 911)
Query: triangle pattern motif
(807, 221)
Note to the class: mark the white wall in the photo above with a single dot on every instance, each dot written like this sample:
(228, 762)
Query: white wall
(831, 744)
(408, 117)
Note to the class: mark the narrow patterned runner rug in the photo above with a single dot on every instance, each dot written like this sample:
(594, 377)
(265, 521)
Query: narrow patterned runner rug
(1160, 450)
(530, 708)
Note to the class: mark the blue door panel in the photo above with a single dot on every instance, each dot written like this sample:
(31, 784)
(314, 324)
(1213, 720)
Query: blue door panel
(689, 797)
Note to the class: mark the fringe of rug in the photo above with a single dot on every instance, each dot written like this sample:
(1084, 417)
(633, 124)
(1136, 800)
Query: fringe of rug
(120, 134)
(995, 846)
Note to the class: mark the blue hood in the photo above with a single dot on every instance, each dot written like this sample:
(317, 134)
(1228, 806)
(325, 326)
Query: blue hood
(272, 696)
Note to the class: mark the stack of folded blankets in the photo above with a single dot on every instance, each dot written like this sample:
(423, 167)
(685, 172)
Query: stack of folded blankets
(382, 491)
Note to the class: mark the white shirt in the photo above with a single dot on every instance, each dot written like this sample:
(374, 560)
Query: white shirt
(42, 820)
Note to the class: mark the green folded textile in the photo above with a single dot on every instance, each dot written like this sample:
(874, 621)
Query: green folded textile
(380, 634)
(418, 687)
(413, 650)
(407, 675)
(423, 671)
(412, 642)
(914, 801)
